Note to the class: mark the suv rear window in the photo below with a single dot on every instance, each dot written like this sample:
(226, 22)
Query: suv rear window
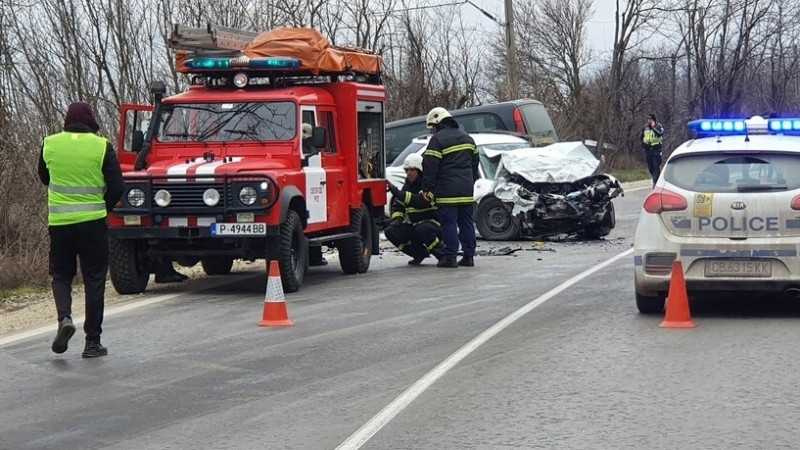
(739, 172)
(537, 121)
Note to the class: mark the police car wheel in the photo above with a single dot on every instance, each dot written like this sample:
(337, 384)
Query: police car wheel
(650, 305)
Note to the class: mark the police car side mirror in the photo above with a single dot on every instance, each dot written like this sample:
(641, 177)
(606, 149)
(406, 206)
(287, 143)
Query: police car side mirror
(137, 140)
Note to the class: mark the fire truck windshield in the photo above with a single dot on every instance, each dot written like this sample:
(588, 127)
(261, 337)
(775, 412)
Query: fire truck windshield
(210, 122)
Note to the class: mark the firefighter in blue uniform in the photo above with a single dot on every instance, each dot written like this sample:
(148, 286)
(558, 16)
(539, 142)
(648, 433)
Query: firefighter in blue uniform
(414, 227)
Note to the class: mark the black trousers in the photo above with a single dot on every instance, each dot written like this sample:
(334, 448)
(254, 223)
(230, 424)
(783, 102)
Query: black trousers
(88, 242)
(414, 240)
(653, 156)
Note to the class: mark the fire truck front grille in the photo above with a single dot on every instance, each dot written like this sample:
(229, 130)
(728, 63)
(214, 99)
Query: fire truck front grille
(190, 195)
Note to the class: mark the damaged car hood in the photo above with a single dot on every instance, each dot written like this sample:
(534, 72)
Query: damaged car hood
(559, 162)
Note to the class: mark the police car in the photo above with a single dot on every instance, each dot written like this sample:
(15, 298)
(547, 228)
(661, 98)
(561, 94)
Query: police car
(727, 205)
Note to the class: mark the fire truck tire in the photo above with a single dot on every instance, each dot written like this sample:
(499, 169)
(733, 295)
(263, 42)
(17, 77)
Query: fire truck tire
(128, 266)
(290, 250)
(217, 265)
(355, 252)
(494, 220)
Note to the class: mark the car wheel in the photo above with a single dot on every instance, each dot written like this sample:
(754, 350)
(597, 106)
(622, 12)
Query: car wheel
(650, 305)
(494, 220)
(604, 227)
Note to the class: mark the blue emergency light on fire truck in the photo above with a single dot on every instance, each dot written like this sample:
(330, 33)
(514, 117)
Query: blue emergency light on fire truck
(224, 171)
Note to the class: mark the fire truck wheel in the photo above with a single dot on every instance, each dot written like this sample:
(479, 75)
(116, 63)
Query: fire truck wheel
(128, 265)
(290, 249)
(355, 252)
(217, 266)
(187, 261)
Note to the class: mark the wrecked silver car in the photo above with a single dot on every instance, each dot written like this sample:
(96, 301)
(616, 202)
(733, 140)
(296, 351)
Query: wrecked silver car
(546, 191)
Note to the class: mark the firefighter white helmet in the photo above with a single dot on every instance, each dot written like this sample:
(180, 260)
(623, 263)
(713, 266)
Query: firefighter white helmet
(436, 116)
(307, 130)
(413, 161)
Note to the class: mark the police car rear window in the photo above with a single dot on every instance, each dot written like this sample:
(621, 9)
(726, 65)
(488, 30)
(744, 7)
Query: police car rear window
(735, 172)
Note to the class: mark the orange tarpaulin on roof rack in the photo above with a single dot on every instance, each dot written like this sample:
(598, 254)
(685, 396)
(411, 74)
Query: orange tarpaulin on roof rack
(313, 50)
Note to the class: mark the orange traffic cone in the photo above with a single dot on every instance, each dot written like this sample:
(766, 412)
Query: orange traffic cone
(275, 314)
(677, 315)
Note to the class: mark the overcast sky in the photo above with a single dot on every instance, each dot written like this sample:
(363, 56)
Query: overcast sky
(600, 28)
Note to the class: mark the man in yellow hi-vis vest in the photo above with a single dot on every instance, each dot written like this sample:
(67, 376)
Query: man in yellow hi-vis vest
(651, 142)
(84, 181)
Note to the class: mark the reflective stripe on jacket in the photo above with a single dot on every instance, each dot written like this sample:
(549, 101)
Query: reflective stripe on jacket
(77, 184)
(412, 206)
(450, 166)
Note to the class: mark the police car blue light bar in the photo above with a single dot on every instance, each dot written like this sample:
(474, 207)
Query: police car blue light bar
(243, 62)
(718, 126)
(789, 125)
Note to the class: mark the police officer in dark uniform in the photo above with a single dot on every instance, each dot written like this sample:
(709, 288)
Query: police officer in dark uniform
(414, 228)
(450, 166)
(84, 182)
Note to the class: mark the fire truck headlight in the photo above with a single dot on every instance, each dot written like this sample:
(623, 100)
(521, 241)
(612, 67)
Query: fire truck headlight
(240, 80)
(163, 198)
(211, 197)
(136, 197)
(248, 195)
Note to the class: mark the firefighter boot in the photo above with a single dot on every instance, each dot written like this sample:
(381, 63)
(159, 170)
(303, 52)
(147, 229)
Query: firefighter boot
(447, 261)
(438, 252)
(466, 261)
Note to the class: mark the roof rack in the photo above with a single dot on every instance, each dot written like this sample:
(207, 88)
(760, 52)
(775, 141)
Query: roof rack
(211, 38)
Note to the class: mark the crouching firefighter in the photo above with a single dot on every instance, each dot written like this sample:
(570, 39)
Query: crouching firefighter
(414, 227)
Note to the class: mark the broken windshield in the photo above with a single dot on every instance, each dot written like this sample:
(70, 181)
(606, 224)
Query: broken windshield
(228, 122)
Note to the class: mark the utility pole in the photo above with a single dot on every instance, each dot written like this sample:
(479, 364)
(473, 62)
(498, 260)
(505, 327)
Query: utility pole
(511, 53)
(512, 88)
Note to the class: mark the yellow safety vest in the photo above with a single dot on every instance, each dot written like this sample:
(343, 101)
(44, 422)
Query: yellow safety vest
(651, 138)
(77, 184)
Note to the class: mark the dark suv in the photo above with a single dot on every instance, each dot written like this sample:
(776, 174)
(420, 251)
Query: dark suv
(524, 116)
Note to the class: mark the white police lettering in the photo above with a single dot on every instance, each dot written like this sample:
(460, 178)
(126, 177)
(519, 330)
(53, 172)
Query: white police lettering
(738, 223)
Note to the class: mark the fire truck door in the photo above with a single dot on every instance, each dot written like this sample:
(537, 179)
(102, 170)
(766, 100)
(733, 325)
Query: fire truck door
(316, 192)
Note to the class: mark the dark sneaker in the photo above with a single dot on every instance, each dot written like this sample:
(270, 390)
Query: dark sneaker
(65, 331)
(466, 261)
(94, 349)
(417, 261)
(447, 261)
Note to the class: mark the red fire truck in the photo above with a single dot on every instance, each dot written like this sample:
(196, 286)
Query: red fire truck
(223, 172)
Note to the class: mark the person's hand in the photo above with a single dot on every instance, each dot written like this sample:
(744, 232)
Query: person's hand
(393, 189)
(397, 221)
(426, 196)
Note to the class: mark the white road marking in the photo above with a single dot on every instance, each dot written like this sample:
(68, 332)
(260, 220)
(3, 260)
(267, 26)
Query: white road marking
(365, 433)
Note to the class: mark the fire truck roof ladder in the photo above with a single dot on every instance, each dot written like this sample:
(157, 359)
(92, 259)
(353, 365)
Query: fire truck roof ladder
(211, 38)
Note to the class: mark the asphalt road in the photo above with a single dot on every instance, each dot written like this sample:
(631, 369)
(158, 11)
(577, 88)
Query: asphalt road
(539, 348)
